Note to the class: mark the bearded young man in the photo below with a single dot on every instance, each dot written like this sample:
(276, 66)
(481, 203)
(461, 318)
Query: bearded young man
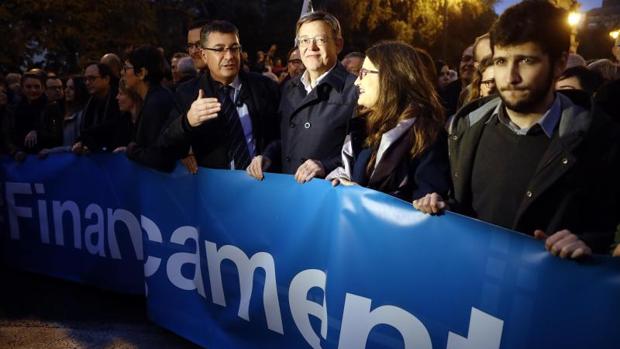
(531, 160)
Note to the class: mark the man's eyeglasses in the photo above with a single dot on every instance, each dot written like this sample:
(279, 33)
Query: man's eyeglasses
(295, 61)
(363, 72)
(193, 46)
(234, 50)
(127, 67)
(306, 41)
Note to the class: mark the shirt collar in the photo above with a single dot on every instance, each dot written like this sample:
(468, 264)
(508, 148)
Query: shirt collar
(306, 83)
(547, 122)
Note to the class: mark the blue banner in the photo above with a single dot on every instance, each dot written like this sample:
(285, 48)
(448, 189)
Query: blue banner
(231, 262)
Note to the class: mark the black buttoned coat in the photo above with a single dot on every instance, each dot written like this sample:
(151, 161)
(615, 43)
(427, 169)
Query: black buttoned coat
(313, 126)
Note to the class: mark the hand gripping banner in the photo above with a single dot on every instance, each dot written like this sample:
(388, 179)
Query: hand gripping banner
(231, 262)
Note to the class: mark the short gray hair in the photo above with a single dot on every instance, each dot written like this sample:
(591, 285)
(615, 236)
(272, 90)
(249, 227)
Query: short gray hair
(326, 17)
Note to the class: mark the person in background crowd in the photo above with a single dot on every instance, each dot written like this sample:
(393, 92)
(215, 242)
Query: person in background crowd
(482, 49)
(278, 68)
(261, 61)
(483, 83)
(130, 105)
(443, 74)
(579, 78)
(487, 83)
(76, 95)
(575, 60)
(615, 50)
(193, 45)
(606, 68)
(227, 115)
(451, 94)
(13, 81)
(352, 62)
(4, 105)
(101, 113)
(555, 176)
(401, 147)
(54, 89)
(185, 70)
(114, 62)
(143, 73)
(294, 66)
(176, 77)
(315, 108)
(26, 124)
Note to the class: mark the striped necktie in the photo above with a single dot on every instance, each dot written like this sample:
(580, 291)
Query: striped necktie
(238, 148)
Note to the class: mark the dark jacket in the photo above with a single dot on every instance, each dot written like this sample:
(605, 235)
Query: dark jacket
(313, 126)
(101, 117)
(152, 120)
(396, 173)
(23, 118)
(574, 186)
(209, 141)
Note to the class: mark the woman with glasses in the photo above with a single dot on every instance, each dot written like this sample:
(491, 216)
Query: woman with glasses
(398, 144)
(483, 82)
(143, 72)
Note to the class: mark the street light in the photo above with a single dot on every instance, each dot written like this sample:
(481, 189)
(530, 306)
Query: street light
(574, 20)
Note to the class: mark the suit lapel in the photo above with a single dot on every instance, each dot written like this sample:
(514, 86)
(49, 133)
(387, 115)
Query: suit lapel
(392, 157)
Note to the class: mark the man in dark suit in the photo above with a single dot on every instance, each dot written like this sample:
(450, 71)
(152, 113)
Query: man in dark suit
(227, 116)
(315, 108)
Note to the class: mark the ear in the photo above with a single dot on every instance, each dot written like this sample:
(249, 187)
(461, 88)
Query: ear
(142, 73)
(339, 44)
(560, 65)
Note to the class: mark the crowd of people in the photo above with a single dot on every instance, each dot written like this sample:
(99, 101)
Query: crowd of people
(524, 136)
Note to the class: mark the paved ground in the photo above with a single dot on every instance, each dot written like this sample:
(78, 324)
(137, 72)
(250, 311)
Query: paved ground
(41, 312)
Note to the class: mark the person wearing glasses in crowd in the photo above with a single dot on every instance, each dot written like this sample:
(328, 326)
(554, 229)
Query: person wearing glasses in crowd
(193, 45)
(397, 144)
(76, 96)
(315, 108)
(101, 113)
(142, 73)
(227, 115)
(294, 66)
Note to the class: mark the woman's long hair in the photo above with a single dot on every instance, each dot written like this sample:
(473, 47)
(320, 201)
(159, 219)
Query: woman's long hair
(406, 90)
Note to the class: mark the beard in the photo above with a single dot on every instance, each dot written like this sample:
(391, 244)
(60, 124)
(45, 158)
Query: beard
(531, 101)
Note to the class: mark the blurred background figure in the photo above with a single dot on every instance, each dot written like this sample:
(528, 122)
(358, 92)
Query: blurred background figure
(606, 68)
(443, 74)
(25, 123)
(174, 66)
(352, 62)
(130, 105)
(575, 60)
(294, 66)
(75, 97)
(114, 62)
(185, 70)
